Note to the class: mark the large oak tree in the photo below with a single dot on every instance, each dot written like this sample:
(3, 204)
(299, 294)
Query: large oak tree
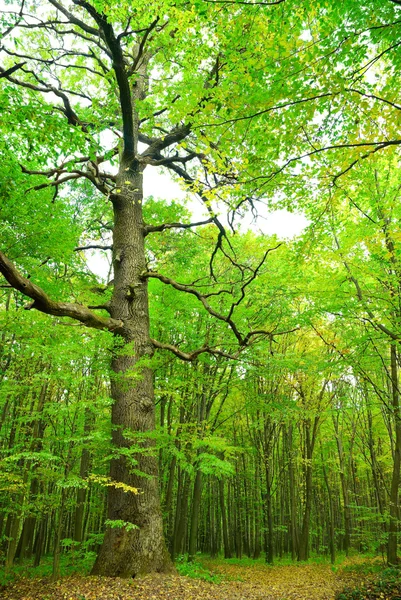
(230, 96)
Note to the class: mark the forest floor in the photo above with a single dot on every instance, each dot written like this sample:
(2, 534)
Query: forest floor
(229, 581)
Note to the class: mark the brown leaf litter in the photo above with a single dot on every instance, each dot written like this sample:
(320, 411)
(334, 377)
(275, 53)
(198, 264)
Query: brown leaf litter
(257, 582)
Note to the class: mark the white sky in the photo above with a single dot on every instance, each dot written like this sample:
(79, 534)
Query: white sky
(160, 185)
(284, 224)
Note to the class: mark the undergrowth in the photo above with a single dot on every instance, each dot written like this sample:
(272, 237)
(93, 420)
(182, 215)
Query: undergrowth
(196, 570)
(70, 564)
(387, 586)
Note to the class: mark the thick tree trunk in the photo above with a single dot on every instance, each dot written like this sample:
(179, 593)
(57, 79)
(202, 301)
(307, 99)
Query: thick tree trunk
(136, 544)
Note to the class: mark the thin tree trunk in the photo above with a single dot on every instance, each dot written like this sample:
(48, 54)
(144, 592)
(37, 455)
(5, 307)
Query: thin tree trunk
(195, 515)
(395, 480)
(226, 542)
(82, 492)
(332, 542)
(256, 550)
(293, 503)
(344, 488)
(303, 551)
(57, 539)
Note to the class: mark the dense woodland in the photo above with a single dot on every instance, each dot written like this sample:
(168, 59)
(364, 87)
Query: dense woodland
(256, 412)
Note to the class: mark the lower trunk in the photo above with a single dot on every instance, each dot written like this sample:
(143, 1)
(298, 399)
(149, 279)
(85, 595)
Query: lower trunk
(40, 540)
(134, 540)
(310, 438)
(344, 487)
(257, 517)
(12, 544)
(27, 538)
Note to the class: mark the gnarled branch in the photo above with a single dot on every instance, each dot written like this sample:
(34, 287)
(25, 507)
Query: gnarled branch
(189, 356)
(164, 226)
(45, 304)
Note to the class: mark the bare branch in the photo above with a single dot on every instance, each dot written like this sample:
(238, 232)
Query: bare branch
(12, 69)
(46, 89)
(74, 20)
(93, 247)
(142, 45)
(222, 232)
(156, 145)
(202, 298)
(267, 110)
(167, 160)
(189, 356)
(98, 181)
(164, 226)
(18, 20)
(250, 279)
(374, 97)
(121, 75)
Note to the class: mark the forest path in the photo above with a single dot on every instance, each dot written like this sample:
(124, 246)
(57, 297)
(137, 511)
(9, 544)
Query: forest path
(293, 581)
(254, 582)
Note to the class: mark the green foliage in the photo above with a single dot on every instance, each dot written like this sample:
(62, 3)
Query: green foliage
(387, 585)
(294, 105)
(195, 570)
(119, 524)
(70, 564)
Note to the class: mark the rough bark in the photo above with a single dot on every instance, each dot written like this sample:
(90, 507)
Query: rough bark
(127, 552)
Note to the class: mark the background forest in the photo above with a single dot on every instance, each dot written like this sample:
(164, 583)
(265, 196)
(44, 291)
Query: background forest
(275, 362)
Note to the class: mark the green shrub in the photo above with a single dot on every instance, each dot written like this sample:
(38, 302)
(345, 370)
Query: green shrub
(195, 570)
